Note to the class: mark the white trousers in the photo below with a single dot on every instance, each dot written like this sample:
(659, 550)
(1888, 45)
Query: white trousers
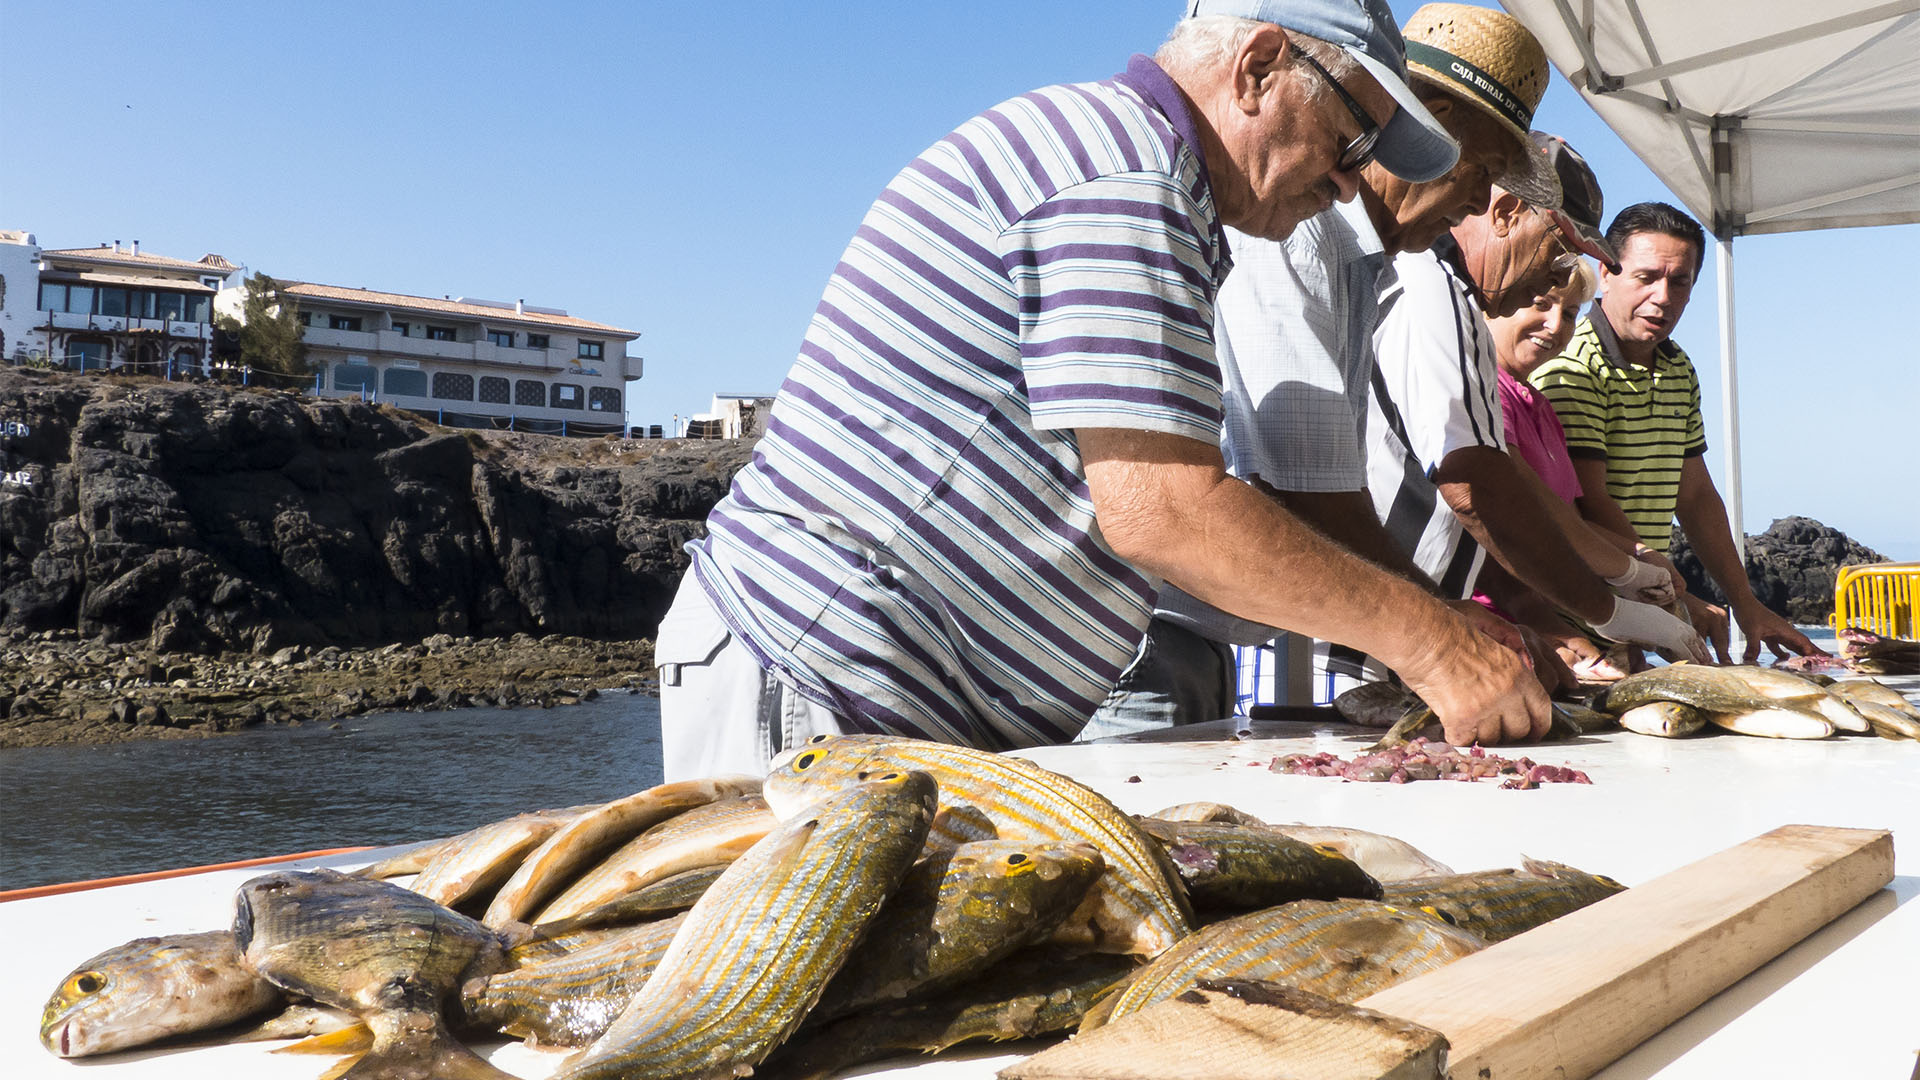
(720, 712)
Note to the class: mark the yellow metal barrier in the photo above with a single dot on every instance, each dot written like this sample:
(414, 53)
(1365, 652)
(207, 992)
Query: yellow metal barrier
(1880, 598)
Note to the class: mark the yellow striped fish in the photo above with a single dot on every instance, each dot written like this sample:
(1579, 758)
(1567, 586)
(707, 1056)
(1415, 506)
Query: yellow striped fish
(1339, 949)
(1138, 906)
(755, 952)
(569, 1000)
(477, 861)
(1498, 904)
(703, 836)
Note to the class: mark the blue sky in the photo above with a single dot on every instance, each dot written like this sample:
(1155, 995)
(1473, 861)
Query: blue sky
(692, 171)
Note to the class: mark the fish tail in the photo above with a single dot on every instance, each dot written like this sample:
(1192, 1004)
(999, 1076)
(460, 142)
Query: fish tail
(355, 1039)
(407, 1046)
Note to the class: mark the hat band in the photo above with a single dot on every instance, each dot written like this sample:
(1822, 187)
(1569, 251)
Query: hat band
(1473, 80)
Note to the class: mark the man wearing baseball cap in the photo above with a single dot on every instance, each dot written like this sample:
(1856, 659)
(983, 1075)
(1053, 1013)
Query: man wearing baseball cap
(1295, 330)
(1001, 435)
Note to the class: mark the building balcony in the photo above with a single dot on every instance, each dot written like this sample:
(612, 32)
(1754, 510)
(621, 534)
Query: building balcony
(121, 324)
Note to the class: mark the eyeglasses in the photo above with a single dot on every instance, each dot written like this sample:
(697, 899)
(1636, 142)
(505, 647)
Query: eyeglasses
(1364, 145)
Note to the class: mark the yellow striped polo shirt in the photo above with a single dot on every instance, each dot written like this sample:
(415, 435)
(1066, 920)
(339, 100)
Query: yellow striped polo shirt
(1643, 422)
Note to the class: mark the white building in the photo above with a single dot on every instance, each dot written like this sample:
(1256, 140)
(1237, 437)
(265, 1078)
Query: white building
(732, 416)
(465, 361)
(109, 307)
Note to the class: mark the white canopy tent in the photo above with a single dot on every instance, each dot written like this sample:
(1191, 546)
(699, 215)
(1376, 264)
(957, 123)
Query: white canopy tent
(1762, 116)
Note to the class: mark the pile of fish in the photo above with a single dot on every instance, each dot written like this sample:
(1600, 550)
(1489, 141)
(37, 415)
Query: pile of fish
(1671, 702)
(872, 896)
(1865, 652)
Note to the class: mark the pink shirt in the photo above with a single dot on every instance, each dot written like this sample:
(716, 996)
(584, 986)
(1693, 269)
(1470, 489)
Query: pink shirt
(1533, 431)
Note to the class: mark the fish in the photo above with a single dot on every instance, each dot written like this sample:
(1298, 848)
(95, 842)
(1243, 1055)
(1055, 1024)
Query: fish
(1856, 690)
(703, 836)
(1709, 689)
(411, 861)
(756, 951)
(1376, 704)
(1499, 904)
(1889, 722)
(389, 956)
(476, 862)
(1242, 868)
(1339, 949)
(570, 1000)
(1035, 993)
(1667, 719)
(1587, 720)
(1138, 906)
(1206, 811)
(1384, 858)
(676, 892)
(1784, 686)
(594, 833)
(153, 988)
(958, 912)
(1778, 723)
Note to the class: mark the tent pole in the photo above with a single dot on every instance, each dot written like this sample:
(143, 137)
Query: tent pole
(1730, 396)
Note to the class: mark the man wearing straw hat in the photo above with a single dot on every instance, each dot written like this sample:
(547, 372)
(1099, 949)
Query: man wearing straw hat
(1001, 434)
(1295, 326)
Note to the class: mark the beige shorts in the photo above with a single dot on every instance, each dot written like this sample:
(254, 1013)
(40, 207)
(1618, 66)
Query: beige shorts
(720, 711)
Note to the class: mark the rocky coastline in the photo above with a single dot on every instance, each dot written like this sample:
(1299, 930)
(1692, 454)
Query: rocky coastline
(180, 560)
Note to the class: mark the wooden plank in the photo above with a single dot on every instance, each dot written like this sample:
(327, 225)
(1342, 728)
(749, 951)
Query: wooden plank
(1241, 1029)
(1564, 1000)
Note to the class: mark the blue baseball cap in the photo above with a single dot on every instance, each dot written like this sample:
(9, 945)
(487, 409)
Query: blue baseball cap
(1413, 145)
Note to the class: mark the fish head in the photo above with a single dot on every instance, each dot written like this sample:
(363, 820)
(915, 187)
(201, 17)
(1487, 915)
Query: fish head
(806, 774)
(149, 989)
(1028, 877)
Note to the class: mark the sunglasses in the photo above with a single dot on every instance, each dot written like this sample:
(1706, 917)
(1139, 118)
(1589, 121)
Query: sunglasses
(1364, 145)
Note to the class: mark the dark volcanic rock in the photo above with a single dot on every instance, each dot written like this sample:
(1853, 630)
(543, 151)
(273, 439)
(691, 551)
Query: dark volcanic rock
(1791, 567)
(201, 519)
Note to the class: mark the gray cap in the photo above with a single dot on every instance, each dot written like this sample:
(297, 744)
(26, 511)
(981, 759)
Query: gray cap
(1413, 145)
(1578, 213)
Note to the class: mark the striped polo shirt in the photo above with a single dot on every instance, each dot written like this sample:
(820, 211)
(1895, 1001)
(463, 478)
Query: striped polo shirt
(1435, 390)
(914, 544)
(1643, 422)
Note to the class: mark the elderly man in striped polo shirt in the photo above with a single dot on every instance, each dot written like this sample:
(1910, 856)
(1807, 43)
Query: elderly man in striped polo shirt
(1629, 401)
(1002, 433)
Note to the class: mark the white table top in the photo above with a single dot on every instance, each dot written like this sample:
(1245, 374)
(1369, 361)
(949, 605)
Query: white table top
(1843, 1003)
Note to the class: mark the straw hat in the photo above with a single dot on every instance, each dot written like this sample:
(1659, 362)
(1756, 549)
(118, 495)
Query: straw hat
(1487, 59)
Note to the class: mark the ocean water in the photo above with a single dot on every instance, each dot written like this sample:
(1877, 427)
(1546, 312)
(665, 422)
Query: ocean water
(73, 813)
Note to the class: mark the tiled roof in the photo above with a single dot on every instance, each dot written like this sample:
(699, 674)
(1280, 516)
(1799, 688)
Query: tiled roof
(218, 262)
(401, 301)
(128, 258)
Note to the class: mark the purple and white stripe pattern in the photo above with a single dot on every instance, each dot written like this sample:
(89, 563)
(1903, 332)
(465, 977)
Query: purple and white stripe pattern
(913, 544)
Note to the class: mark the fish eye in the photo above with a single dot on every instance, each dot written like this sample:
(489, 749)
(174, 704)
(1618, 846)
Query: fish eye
(1608, 882)
(818, 739)
(89, 982)
(1443, 916)
(887, 776)
(806, 761)
(1328, 849)
(1016, 859)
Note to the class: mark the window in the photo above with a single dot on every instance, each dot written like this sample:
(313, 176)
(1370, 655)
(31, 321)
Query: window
(453, 385)
(86, 355)
(439, 333)
(536, 341)
(210, 282)
(355, 377)
(197, 308)
(603, 399)
(53, 297)
(113, 301)
(530, 392)
(502, 338)
(495, 390)
(567, 396)
(409, 383)
(400, 328)
(592, 350)
(170, 305)
(343, 322)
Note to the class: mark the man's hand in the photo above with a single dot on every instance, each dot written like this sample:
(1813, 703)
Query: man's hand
(1759, 623)
(1711, 621)
(1648, 555)
(1550, 668)
(1488, 623)
(1647, 625)
(1645, 582)
(1480, 690)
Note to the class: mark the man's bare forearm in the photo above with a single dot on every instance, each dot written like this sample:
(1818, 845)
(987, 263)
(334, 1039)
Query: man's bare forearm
(1488, 494)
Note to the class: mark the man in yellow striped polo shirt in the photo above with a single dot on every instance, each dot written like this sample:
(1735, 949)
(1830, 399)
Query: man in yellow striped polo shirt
(1629, 401)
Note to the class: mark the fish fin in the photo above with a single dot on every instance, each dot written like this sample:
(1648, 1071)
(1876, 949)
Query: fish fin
(442, 1057)
(353, 1039)
(339, 1068)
